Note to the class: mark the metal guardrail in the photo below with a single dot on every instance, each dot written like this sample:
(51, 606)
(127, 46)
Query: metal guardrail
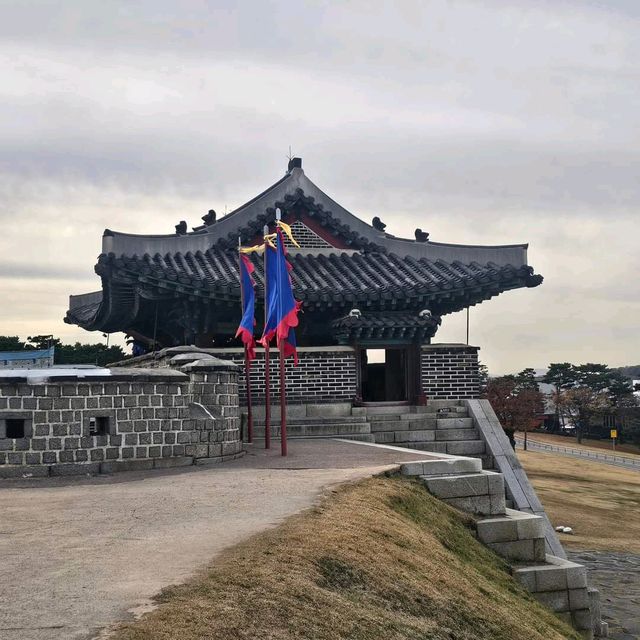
(620, 461)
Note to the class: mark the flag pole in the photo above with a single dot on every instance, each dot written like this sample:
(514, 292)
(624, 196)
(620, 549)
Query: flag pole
(267, 390)
(283, 396)
(283, 402)
(247, 363)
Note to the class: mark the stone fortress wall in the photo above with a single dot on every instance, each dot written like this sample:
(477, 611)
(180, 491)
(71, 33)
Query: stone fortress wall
(119, 419)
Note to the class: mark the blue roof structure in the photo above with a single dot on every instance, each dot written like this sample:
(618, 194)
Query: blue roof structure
(36, 354)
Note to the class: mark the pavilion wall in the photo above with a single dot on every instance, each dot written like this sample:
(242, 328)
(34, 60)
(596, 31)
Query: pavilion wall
(323, 375)
(449, 372)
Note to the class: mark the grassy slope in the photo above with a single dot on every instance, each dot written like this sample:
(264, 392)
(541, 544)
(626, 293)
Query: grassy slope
(599, 501)
(380, 559)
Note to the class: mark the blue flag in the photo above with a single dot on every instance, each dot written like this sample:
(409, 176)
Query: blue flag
(245, 330)
(282, 307)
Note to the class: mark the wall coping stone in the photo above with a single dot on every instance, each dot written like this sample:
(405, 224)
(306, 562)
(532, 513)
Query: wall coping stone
(449, 346)
(122, 375)
(211, 364)
(168, 351)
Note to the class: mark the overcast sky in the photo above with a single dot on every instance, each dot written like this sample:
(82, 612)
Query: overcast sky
(481, 122)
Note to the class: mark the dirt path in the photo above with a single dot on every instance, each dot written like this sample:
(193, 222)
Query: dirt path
(78, 555)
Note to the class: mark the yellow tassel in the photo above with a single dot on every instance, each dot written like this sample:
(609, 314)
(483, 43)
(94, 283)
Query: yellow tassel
(258, 248)
(287, 229)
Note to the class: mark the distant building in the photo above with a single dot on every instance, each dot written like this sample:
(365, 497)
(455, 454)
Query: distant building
(37, 359)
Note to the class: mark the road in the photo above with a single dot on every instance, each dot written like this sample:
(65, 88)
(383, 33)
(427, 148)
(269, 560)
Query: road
(590, 454)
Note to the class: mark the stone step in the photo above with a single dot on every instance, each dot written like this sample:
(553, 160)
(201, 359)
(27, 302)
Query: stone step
(560, 585)
(320, 430)
(441, 467)
(478, 493)
(514, 525)
(532, 550)
(465, 447)
(275, 435)
(444, 404)
(554, 574)
(454, 423)
(431, 447)
(403, 437)
(315, 420)
(487, 462)
(460, 413)
(456, 434)
(381, 410)
(402, 425)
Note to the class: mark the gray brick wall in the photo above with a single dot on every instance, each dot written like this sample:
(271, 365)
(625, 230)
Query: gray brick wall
(149, 418)
(323, 374)
(449, 371)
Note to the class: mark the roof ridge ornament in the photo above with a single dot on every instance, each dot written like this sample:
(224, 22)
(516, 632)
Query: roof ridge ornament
(294, 163)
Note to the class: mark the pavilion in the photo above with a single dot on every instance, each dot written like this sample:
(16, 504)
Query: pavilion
(361, 289)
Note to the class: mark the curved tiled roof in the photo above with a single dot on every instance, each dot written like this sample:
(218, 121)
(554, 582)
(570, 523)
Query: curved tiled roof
(316, 276)
(373, 270)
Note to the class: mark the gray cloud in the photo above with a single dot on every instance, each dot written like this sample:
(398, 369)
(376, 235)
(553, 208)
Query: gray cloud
(489, 122)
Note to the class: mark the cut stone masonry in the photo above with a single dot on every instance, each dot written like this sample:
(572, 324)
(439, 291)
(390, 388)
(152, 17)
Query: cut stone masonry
(517, 537)
(149, 419)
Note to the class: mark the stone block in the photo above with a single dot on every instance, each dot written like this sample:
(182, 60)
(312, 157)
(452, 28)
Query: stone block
(113, 466)
(449, 466)
(414, 436)
(526, 576)
(551, 578)
(578, 599)
(75, 469)
(22, 471)
(501, 529)
(517, 550)
(456, 434)
(457, 486)
(557, 601)
(576, 576)
(530, 527)
(465, 447)
(169, 463)
(454, 423)
(539, 549)
(479, 505)
(498, 504)
(495, 483)
(582, 619)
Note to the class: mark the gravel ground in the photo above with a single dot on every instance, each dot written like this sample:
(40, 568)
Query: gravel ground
(78, 554)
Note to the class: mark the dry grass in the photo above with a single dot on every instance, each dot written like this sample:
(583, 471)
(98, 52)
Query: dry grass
(602, 446)
(378, 560)
(600, 502)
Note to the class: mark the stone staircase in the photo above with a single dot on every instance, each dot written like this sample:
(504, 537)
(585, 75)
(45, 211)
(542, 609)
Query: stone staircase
(518, 537)
(443, 426)
(440, 427)
(348, 427)
(336, 420)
